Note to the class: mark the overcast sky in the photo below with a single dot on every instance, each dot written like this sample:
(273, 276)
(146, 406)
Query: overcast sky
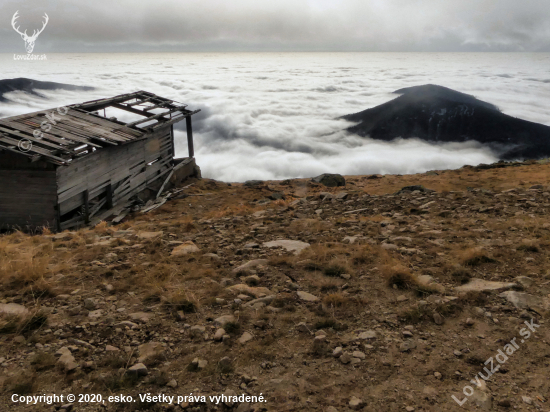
(279, 25)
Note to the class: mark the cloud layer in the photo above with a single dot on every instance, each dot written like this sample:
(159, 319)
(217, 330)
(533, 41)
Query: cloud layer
(275, 115)
(283, 25)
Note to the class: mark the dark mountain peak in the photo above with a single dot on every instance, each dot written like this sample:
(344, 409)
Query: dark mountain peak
(439, 114)
(30, 86)
(430, 92)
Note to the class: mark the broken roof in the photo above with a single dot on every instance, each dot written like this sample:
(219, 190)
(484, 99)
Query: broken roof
(77, 130)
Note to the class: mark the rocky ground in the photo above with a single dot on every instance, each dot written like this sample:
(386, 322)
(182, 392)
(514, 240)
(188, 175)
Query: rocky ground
(389, 294)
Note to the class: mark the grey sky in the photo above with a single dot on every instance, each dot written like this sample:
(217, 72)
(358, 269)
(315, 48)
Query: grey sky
(282, 25)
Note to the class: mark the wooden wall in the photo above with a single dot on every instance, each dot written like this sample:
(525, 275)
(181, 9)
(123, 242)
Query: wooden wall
(14, 161)
(27, 199)
(30, 192)
(122, 169)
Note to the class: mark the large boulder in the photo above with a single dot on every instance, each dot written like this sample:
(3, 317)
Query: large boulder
(481, 285)
(295, 246)
(330, 180)
(253, 183)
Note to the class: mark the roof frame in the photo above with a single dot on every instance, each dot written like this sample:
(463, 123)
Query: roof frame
(81, 125)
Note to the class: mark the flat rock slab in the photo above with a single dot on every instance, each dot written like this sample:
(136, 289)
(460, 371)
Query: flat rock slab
(95, 314)
(307, 297)
(254, 291)
(250, 265)
(480, 285)
(245, 338)
(367, 335)
(149, 235)
(67, 360)
(141, 316)
(150, 351)
(295, 246)
(13, 309)
(224, 320)
(138, 369)
(185, 248)
(522, 300)
(429, 282)
(266, 301)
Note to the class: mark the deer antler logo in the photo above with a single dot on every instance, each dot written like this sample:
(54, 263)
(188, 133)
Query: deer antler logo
(29, 40)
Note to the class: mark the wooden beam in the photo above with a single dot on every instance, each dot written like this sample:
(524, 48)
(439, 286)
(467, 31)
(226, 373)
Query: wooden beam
(109, 194)
(44, 141)
(58, 217)
(190, 136)
(99, 104)
(172, 141)
(86, 207)
(156, 116)
(160, 105)
(164, 184)
(171, 121)
(15, 143)
(131, 109)
(140, 102)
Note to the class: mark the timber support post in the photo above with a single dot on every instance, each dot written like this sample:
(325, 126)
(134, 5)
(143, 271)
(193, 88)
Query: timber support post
(109, 196)
(58, 217)
(190, 136)
(86, 207)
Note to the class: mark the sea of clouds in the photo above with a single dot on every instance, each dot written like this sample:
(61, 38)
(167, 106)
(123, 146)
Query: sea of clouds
(275, 115)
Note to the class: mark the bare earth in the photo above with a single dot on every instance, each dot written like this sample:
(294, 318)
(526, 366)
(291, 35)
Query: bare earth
(361, 297)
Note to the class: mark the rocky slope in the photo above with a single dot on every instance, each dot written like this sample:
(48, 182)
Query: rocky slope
(438, 114)
(388, 294)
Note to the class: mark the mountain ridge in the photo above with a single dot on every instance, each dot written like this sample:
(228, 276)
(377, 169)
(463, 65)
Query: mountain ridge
(439, 114)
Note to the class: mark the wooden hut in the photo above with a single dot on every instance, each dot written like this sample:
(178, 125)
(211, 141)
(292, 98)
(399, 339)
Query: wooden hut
(67, 167)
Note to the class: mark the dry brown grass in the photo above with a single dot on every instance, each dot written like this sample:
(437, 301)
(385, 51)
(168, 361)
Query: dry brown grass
(336, 300)
(337, 267)
(42, 361)
(528, 245)
(460, 274)
(400, 277)
(102, 228)
(26, 265)
(240, 209)
(23, 323)
(23, 383)
(282, 261)
(422, 313)
(460, 180)
(475, 257)
(364, 254)
(180, 301)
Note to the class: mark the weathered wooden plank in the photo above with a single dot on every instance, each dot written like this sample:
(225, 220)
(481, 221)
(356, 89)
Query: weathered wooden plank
(43, 142)
(58, 136)
(43, 152)
(101, 103)
(103, 122)
(171, 122)
(190, 145)
(74, 222)
(156, 116)
(116, 167)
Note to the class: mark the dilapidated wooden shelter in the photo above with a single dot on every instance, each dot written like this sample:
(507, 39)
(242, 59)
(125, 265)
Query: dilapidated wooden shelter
(66, 167)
